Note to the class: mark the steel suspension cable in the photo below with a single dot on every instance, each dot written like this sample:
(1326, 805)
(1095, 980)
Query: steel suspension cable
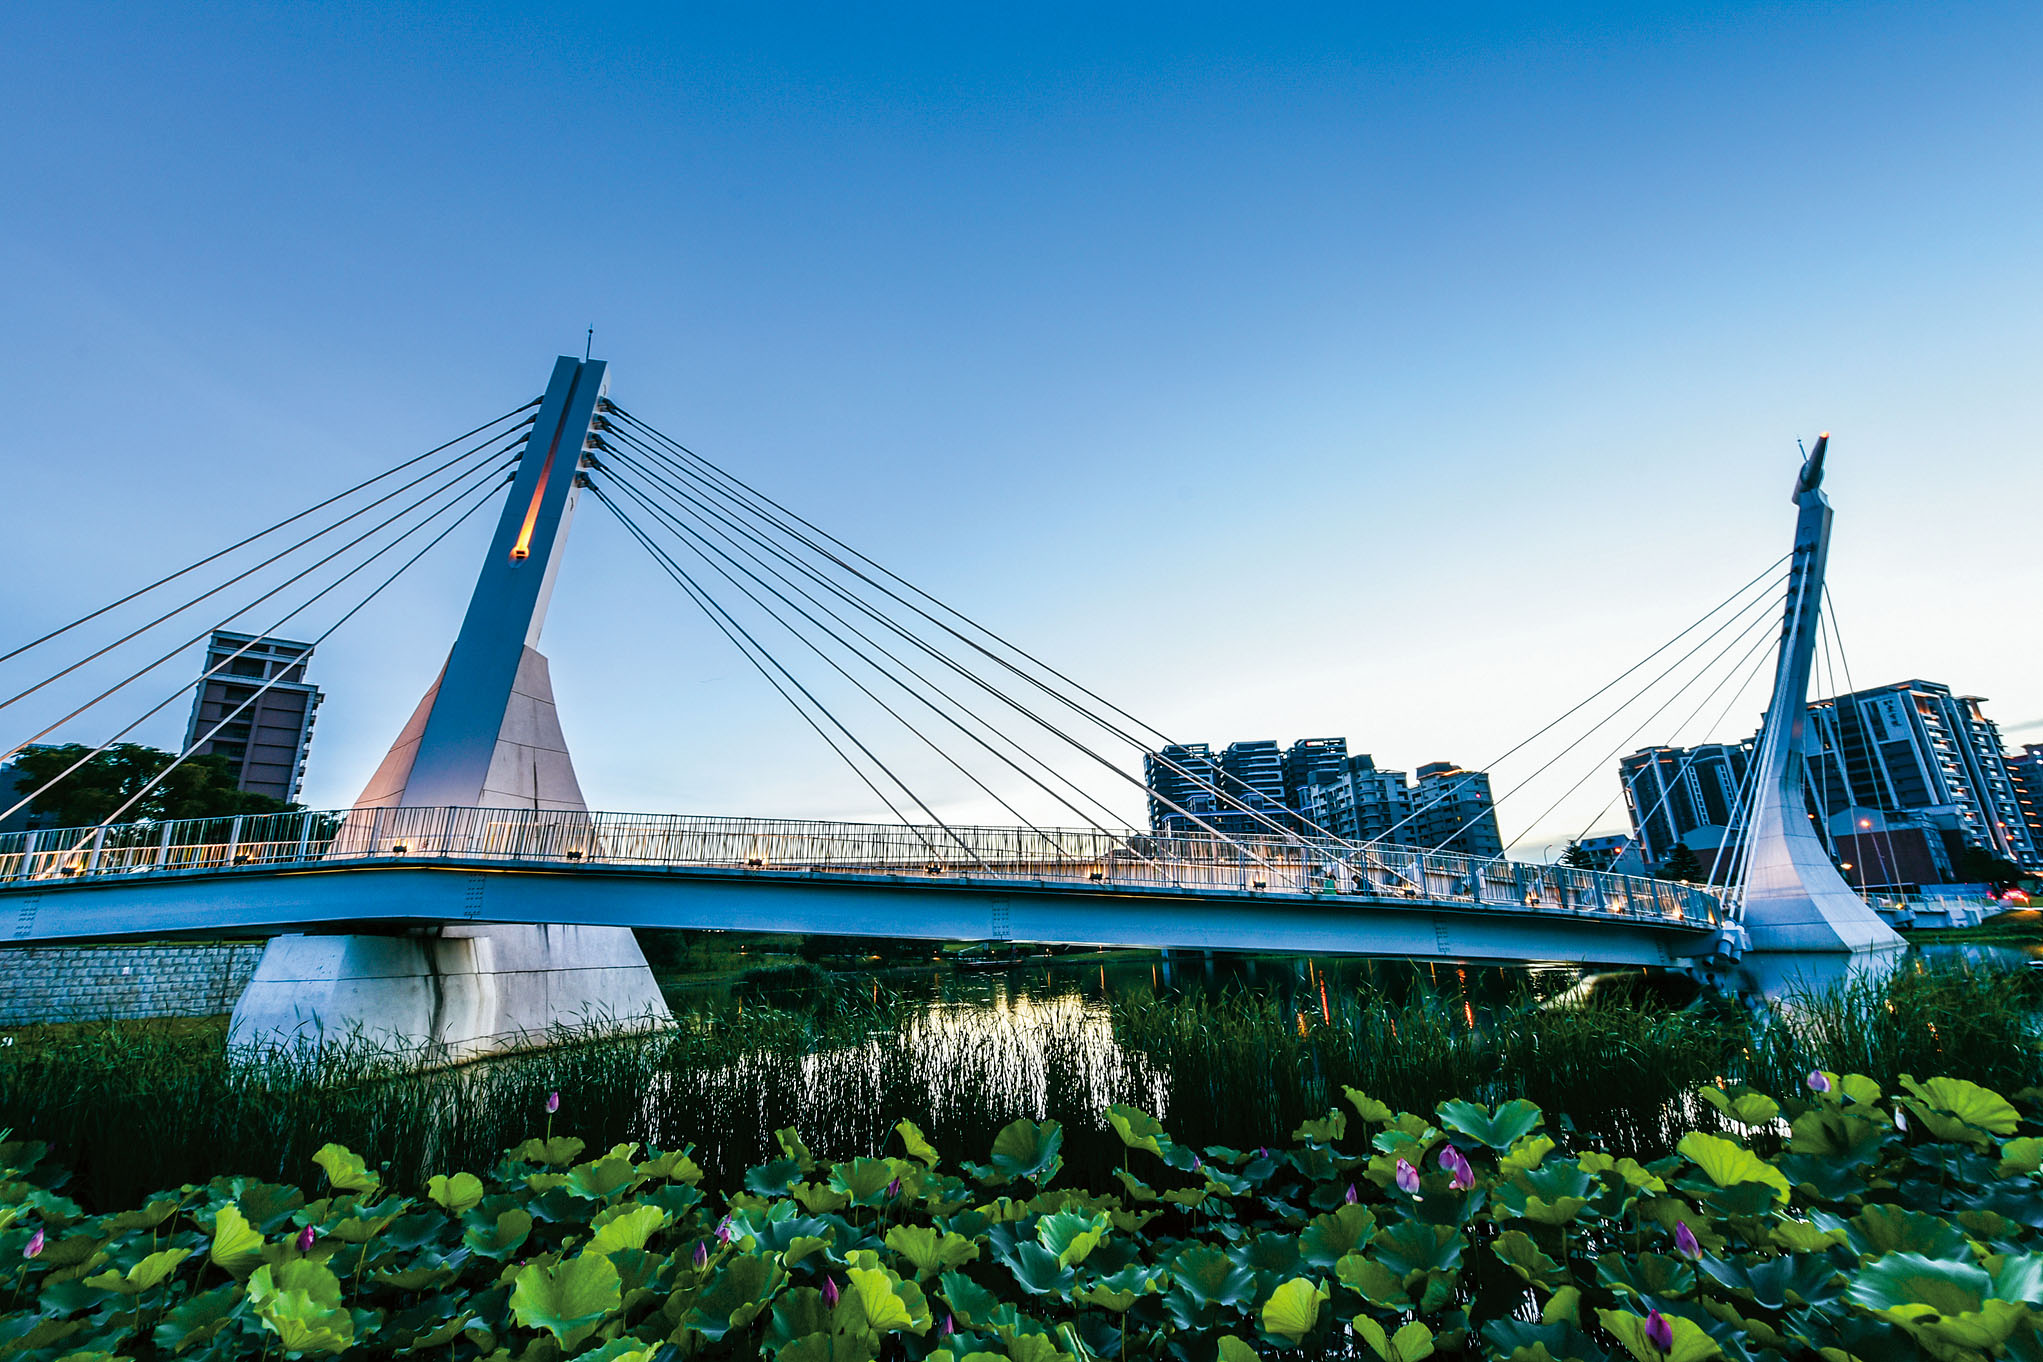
(262, 690)
(703, 514)
(1600, 691)
(259, 534)
(700, 596)
(223, 623)
(472, 456)
(1667, 791)
(1756, 623)
(703, 551)
(203, 677)
(932, 599)
(1886, 835)
(1281, 829)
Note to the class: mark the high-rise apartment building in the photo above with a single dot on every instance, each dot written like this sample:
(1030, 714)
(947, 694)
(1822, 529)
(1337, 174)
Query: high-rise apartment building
(1452, 810)
(2026, 770)
(1914, 746)
(267, 741)
(1683, 794)
(1315, 786)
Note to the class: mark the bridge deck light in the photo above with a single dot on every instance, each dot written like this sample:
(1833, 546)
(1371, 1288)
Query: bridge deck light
(755, 863)
(574, 853)
(399, 848)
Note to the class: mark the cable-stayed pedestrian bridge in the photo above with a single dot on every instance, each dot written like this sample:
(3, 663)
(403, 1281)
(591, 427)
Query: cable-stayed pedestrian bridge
(469, 896)
(415, 866)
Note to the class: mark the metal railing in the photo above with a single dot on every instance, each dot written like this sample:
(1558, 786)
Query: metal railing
(1132, 861)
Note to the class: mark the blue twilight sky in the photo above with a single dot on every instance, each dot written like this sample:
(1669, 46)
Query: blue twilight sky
(1398, 372)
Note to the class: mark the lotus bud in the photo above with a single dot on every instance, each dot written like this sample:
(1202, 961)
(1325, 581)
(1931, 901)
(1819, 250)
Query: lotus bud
(35, 1245)
(1407, 1179)
(830, 1291)
(552, 1102)
(1818, 1081)
(1455, 1164)
(723, 1230)
(1352, 1198)
(307, 1237)
(1659, 1332)
(701, 1253)
(1900, 1120)
(893, 1189)
(948, 1326)
(1197, 1163)
(1685, 1241)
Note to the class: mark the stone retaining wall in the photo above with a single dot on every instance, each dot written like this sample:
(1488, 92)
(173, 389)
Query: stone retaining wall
(145, 979)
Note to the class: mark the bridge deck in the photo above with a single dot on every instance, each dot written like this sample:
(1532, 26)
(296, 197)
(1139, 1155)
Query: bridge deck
(289, 871)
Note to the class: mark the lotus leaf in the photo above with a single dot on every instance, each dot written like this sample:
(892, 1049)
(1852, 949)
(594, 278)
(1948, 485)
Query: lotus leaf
(1137, 1189)
(891, 1305)
(1799, 1236)
(1778, 1282)
(1373, 1282)
(1208, 1277)
(1880, 1229)
(602, 1179)
(346, 1170)
(1413, 1246)
(2021, 1156)
(1517, 1250)
(304, 1325)
(1649, 1276)
(929, 1250)
(498, 1238)
(192, 1321)
(865, 1181)
(773, 1179)
(1071, 1236)
(1499, 1129)
(455, 1194)
(1728, 1163)
(1292, 1310)
(1691, 1343)
(1328, 1238)
(1955, 1109)
(1368, 1108)
(1137, 1128)
(1747, 1108)
(145, 1275)
(625, 1227)
(791, 1147)
(970, 1302)
(1231, 1349)
(558, 1152)
(1333, 1126)
(740, 1291)
(1028, 1149)
(1527, 1154)
(1037, 1270)
(237, 1246)
(918, 1147)
(1411, 1343)
(568, 1299)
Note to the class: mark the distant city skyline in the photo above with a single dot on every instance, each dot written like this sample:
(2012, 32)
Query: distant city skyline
(1394, 374)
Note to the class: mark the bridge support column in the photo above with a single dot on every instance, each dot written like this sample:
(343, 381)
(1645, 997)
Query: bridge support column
(460, 994)
(486, 735)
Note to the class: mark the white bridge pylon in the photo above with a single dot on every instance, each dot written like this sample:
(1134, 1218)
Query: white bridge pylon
(486, 735)
(1790, 896)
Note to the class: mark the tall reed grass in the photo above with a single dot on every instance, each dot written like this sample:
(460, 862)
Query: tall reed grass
(135, 1107)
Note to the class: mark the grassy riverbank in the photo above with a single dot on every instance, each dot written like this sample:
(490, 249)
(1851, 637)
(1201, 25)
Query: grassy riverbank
(137, 1107)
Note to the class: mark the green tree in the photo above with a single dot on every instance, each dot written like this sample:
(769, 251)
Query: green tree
(1582, 858)
(1682, 864)
(200, 787)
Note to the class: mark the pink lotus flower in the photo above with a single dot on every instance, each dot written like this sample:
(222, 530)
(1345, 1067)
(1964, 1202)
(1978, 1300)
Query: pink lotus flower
(1659, 1332)
(1818, 1081)
(830, 1291)
(552, 1103)
(1460, 1176)
(1685, 1242)
(35, 1245)
(1408, 1179)
(307, 1237)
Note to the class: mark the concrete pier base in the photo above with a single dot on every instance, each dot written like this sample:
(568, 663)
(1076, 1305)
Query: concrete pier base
(466, 992)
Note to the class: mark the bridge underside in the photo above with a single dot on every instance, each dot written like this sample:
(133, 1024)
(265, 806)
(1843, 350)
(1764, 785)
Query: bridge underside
(398, 898)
